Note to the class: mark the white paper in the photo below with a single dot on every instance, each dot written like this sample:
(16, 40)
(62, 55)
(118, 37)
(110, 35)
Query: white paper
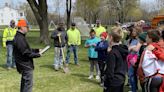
(44, 50)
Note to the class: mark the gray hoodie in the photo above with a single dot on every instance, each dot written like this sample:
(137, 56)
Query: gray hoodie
(56, 38)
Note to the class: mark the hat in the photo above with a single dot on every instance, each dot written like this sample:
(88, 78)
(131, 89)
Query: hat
(142, 36)
(98, 21)
(12, 22)
(104, 34)
(22, 23)
(73, 24)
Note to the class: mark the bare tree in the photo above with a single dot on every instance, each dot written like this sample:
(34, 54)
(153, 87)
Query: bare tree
(39, 8)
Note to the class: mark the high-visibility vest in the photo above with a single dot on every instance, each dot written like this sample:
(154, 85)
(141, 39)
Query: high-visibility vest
(8, 35)
(99, 30)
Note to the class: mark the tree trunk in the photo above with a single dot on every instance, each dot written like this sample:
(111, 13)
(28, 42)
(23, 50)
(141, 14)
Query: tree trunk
(68, 8)
(40, 11)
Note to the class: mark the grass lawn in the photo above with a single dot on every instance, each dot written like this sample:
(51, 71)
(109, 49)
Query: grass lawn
(46, 79)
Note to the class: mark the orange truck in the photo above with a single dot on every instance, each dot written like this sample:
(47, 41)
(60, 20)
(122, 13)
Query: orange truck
(157, 21)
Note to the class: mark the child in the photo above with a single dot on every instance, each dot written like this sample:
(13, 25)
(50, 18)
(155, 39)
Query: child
(92, 54)
(116, 65)
(101, 48)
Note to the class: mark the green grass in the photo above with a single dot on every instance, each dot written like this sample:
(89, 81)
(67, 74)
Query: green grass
(46, 79)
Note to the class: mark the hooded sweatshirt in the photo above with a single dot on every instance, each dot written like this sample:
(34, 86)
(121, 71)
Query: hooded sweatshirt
(56, 38)
(116, 65)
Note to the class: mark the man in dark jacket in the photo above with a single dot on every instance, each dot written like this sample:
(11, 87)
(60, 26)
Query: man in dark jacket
(59, 46)
(24, 57)
(116, 65)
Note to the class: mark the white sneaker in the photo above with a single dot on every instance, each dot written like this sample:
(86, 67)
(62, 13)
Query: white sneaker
(90, 77)
(56, 68)
(97, 77)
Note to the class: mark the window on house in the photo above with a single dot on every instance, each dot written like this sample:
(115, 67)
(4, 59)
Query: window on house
(2, 21)
(12, 15)
(21, 14)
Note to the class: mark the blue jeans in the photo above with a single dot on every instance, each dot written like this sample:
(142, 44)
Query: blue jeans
(132, 79)
(74, 49)
(58, 59)
(10, 58)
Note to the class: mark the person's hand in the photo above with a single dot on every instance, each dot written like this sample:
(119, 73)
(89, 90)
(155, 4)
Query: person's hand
(59, 34)
(94, 45)
(40, 52)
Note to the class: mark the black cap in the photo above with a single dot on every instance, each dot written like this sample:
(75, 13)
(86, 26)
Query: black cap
(73, 24)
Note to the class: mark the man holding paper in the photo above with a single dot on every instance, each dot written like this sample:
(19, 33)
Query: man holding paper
(24, 56)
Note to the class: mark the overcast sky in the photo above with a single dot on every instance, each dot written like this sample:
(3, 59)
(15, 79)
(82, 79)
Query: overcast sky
(51, 6)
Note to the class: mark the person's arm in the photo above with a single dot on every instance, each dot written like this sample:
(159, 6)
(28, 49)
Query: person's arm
(25, 50)
(86, 45)
(110, 61)
(137, 48)
(54, 35)
(4, 39)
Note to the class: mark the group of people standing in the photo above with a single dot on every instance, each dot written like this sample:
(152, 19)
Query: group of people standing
(140, 55)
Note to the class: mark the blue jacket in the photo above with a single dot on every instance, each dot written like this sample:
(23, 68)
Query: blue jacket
(91, 50)
(101, 48)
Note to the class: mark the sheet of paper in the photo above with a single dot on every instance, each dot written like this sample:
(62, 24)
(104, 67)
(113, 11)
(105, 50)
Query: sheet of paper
(44, 50)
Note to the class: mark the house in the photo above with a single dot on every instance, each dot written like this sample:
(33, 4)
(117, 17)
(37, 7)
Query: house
(7, 13)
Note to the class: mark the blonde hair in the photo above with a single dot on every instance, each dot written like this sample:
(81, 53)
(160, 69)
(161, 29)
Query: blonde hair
(116, 34)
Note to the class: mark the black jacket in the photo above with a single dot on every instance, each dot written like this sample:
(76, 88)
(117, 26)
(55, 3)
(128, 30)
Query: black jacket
(116, 65)
(23, 53)
(56, 38)
(101, 48)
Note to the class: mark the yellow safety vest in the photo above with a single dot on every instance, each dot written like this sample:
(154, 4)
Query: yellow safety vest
(99, 30)
(8, 35)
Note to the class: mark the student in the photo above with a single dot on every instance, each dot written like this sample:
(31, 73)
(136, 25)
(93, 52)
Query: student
(101, 48)
(92, 54)
(133, 46)
(150, 69)
(116, 65)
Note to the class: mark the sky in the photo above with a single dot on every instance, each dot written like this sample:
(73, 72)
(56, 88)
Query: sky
(51, 6)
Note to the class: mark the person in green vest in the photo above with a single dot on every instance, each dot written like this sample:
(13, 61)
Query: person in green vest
(74, 40)
(8, 37)
(99, 28)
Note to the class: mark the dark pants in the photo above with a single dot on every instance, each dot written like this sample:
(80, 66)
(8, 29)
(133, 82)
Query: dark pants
(114, 88)
(101, 67)
(153, 84)
(26, 81)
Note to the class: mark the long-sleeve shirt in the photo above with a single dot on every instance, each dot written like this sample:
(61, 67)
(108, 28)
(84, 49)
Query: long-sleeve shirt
(74, 37)
(23, 53)
(101, 48)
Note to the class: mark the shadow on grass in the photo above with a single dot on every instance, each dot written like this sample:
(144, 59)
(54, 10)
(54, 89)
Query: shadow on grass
(3, 66)
(83, 78)
(47, 66)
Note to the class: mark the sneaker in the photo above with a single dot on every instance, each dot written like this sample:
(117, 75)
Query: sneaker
(77, 64)
(8, 68)
(90, 77)
(102, 84)
(14, 67)
(56, 68)
(97, 77)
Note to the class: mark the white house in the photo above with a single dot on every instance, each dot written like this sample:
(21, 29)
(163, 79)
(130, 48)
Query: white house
(7, 13)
